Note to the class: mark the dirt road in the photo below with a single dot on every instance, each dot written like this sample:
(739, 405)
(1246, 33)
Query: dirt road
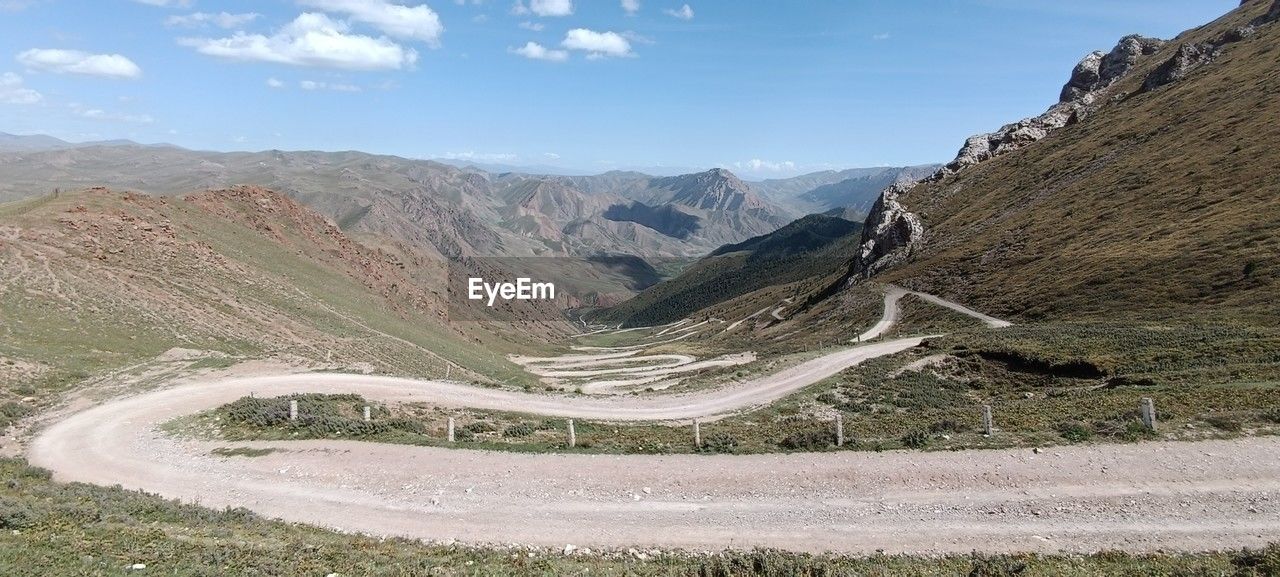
(1138, 497)
(1193, 496)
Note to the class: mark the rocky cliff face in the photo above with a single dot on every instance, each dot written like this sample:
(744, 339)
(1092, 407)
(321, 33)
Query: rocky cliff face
(892, 232)
(889, 233)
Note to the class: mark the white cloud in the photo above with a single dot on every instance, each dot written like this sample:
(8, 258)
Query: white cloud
(167, 3)
(880, 36)
(313, 85)
(12, 90)
(103, 115)
(534, 26)
(274, 83)
(757, 165)
(637, 38)
(544, 7)
(551, 155)
(481, 156)
(15, 5)
(537, 51)
(597, 44)
(631, 6)
(77, 62)
(684, 13)
(405, 22)
(221, 19)
(310, 40)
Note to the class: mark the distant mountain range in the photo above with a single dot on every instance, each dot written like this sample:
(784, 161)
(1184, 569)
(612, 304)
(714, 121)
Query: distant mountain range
(39, 142)
(459, 211)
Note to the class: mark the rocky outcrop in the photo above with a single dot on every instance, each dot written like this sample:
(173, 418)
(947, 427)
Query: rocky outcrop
(1193, 55)
(1097, 70)
(1272, 14)
(1188, 58)
(890, 233)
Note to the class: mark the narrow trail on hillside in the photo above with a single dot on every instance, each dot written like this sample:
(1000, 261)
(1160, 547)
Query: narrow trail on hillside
(1203, 495)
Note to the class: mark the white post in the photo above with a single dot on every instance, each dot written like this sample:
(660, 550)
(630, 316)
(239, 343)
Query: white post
(987, 425)
(573, 436)
(293, 410)
(839, 429)
(450, 429)
(1149, 413)
(367, 416)
(448, 369)
(697, 434)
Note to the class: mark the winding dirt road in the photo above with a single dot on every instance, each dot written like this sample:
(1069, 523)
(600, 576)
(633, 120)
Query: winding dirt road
(1203, 495)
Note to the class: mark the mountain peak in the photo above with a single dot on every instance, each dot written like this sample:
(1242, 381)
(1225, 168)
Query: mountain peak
(715, 189)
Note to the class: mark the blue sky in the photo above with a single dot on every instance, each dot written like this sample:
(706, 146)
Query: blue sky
(766, 88)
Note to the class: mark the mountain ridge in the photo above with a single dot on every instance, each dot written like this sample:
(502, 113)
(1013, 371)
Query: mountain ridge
(979, 227)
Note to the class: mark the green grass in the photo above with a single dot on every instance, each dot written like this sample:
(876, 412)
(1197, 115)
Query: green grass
(50, 528)
(884, 407)
(1173, 351)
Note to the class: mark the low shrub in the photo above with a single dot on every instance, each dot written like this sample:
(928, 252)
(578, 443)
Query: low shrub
(518, 430)
(553, 425)
(1225, 424)
(11, 412)
(1076, 432)
(996, 566)
(16, 514)
(1135, 430)
(480, 427)
(945, 426)
(1257, 562)
(720, 443)
(915, 440)
(811, 438)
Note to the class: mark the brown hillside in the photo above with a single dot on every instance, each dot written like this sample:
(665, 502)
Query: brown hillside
(1166, 199)
(99, 280)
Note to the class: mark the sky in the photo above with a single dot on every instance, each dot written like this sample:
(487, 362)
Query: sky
(764, 88)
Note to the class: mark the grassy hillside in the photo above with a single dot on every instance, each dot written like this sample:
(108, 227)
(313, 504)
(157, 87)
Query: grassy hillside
(812, 246)
(98, 280)
(1164, 202)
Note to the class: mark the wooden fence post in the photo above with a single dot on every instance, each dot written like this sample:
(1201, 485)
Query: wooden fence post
(839, 429)
(697, 434)
(573, 435)
(987, 424)
(450, 429)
